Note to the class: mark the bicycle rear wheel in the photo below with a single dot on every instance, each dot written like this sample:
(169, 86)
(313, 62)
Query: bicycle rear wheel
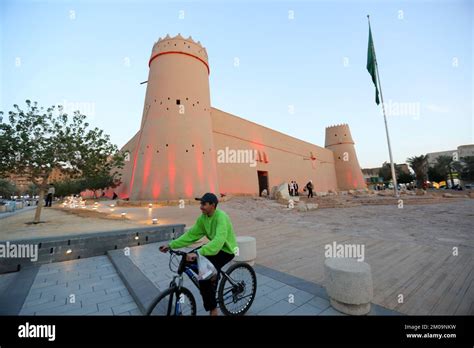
(236, 299)
(173, 302)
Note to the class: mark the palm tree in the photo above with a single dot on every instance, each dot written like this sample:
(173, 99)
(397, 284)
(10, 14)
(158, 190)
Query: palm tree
(445, 164)
(419, 164)
(465, 168)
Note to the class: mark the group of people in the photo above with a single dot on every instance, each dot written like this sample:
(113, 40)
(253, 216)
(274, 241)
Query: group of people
(293, 188)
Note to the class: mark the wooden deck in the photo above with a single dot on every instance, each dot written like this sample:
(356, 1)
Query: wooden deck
(431, 279)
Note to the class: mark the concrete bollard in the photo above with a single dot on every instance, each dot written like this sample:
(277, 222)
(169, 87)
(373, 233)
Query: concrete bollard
(349, 285)
(247, 251)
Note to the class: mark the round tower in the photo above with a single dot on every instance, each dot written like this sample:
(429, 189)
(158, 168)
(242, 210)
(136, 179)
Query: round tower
(348, 172)
(174, 155)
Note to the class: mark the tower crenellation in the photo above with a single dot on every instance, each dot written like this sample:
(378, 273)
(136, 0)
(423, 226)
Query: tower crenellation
(338, 134)
(180, 44)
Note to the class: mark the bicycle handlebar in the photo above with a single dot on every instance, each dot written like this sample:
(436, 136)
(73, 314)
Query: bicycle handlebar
(177, 252)
(182, 253)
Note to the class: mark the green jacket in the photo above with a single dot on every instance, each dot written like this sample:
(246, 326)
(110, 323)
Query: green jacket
(217, 228)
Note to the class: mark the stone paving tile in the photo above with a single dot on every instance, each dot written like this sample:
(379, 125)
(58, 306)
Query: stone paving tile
(103, 301)
(263, 290)
(262, 280)
(80, 310)
(42, 285)
(282, 293)
(319, 302)
(97, 288)
(124, 308)
(301, 297)
(135, 312)
(31, 302)
(46, 271)
(260, 303)
(307, 309)
(275, 284)
(63, 278)
(280, 308)
(42, 308)
(36, 296)
(116, 288)
(115, 302)
(107, 311)
(331, 311)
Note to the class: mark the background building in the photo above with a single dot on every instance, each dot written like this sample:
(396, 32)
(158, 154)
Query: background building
(372, 175)
(23, 182)
(461, 151)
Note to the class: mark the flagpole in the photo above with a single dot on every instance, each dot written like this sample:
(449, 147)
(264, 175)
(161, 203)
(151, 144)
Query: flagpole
(394, 176)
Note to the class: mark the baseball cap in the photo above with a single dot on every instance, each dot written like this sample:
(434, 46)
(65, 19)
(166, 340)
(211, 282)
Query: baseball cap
(208, 198)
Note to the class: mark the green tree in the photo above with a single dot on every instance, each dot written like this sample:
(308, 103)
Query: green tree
(36, 141)
(419, 164)
(100, 181)
(32, 190)
(7, 188)
(434, 174)
(404, 178)
(385, 172)
(465, 167)
(68, 187)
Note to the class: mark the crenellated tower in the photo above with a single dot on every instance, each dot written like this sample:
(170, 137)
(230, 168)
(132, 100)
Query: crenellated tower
(348, 172)
(174, 155)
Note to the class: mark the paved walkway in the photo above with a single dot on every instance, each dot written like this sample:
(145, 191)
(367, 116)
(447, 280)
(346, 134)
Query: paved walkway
(92, 286)
(16, 211)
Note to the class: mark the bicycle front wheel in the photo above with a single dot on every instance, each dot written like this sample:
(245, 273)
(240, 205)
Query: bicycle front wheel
(236, 297)
(173, 302)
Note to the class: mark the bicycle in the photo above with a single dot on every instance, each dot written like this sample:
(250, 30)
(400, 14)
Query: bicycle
(231, 289)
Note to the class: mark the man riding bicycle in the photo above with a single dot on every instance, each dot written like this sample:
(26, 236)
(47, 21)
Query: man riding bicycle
(214, 224)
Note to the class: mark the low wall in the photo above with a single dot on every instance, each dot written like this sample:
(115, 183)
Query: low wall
(55, 249)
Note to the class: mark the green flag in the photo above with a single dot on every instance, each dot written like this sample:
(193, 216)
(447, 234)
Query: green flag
(371, 65)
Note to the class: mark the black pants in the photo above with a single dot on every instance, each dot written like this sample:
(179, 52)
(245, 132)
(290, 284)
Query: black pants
(49, 199)
(208, 287)
(310, 192)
